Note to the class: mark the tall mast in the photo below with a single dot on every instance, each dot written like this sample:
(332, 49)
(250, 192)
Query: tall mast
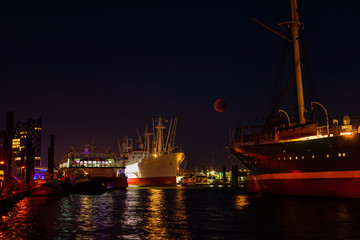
(295, 28)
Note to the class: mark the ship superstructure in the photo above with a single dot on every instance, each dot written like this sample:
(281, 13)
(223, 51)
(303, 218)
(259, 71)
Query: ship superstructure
(102, 166)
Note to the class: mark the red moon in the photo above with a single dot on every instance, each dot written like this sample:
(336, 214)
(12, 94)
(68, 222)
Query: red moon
(220, 105)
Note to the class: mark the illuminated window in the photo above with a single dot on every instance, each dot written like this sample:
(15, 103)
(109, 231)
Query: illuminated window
(278, 158)
(289, 158)
(296, 157)
(339, 154)
(284, 158)
(327, 155)
(343, 154)
(313, 156)
(302, 157)
(284, 150)
(16, 143)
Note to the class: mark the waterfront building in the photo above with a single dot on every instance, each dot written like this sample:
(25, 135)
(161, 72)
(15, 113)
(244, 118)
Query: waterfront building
(2, 162)
(33, 128)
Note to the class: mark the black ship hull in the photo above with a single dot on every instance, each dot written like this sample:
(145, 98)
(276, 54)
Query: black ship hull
(328, 166)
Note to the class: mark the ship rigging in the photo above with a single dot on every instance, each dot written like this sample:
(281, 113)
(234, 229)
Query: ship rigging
(300, 157)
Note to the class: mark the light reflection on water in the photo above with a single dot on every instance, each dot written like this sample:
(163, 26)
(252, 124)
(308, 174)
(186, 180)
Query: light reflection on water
(155, 223)
(17, 222)
(132, 216)
(85, 218)
(180, 213)
(241, 201)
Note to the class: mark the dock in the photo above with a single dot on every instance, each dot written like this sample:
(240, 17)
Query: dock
(11, 194)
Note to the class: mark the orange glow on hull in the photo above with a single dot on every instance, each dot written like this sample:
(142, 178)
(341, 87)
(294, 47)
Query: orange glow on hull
(344, 184)
(152, 181)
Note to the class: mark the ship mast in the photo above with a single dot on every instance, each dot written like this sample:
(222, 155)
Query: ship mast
(295, 28)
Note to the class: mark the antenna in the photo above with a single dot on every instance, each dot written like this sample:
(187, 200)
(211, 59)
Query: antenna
(153, 141)
(139, 136)
(174, 132)
(119, 147)
(108, 150)
(167, 139)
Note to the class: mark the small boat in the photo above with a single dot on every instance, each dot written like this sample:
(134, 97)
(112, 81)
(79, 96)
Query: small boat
(47, 187)
(199, 178)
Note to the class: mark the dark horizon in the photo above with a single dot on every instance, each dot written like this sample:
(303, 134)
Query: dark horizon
(106, 71)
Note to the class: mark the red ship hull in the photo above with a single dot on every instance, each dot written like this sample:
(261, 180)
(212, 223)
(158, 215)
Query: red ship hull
(326, 167)
(152, 181)
(120, 182)
(342, 184)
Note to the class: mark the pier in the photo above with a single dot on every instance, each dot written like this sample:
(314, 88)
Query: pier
(10, 194)
(13, 189)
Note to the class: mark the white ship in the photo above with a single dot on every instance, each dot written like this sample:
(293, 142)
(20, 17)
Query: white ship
(155, 162)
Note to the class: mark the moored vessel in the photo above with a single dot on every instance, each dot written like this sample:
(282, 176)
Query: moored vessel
(156, 161)
(302, 158)
(88, 164)
(46, 187)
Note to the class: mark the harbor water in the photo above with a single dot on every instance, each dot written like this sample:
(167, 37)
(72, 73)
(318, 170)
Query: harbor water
(181, 213)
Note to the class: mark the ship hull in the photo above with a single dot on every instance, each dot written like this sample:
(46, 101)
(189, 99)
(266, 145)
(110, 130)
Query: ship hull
(155, 171)
(47, 188)
(46, 191)
(153, 181)
(343, 184)
(113, 182)
(327, 167)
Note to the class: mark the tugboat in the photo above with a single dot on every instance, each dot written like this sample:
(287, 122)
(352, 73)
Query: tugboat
(46, 187)
(302, 158)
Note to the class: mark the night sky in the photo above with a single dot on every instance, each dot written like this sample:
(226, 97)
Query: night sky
(104, 71)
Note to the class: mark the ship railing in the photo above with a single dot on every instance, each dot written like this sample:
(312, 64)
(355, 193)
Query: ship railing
(323, 130)
(336, 130)
(97, 165)
(252, 134)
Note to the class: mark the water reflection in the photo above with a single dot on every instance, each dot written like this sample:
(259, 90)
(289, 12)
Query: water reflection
(155, 223)
(65, 217)
(180, 208)
(240, 201)
(16, 223)
(180, 214)
(132, 215)
(84, 217)
(181, 217)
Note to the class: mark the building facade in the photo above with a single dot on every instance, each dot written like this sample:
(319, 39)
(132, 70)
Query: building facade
(33, 128)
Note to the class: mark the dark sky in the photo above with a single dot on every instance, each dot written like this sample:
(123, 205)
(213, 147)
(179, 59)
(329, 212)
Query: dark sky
(106, 70)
